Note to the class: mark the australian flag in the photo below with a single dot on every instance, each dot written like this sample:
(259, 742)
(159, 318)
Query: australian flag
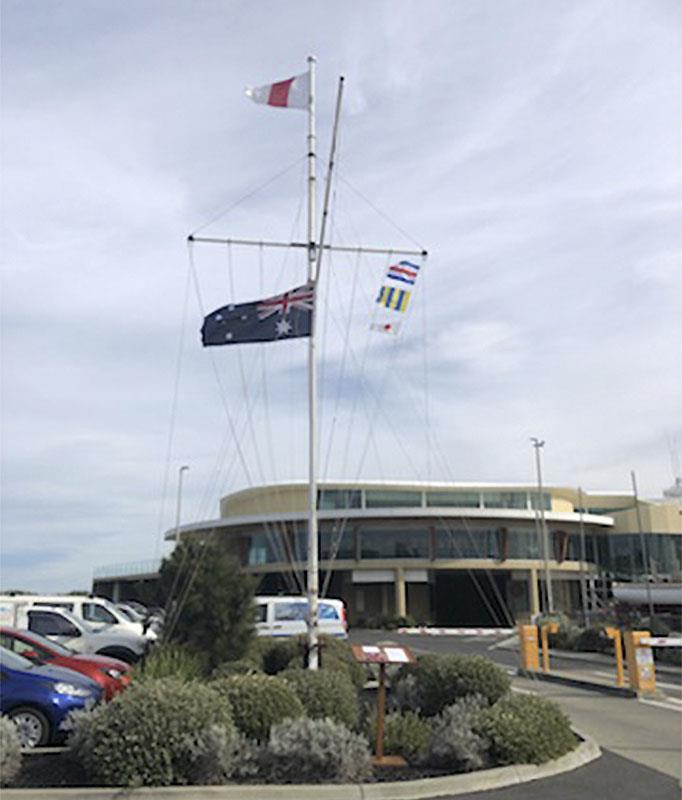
(286, 316)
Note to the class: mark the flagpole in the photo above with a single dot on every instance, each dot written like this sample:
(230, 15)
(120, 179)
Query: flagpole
(313, 558)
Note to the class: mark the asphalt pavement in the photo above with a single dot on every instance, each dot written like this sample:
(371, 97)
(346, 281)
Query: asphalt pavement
(641, 740)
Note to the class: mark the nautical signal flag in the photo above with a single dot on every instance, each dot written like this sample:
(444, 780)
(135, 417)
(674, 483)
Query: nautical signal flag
(291, 93)
(285, 316)
(393, 298)
(404, 271)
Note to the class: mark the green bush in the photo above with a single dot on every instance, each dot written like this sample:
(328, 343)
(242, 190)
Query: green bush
(156, 733)
(279, 653)
(170, 661)
(10, 752)
(337, 655)
(316, 751)
(258, 701)
(593, 640)
(439, 680)
(242, 666)
(453, 744)
(325, 693)
(525, 729)
(406, 735)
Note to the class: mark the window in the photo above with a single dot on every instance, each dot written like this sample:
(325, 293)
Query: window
(48, 624)
(331, 499)
(261, 612)
(261, 550)
(392, 499)
(453, 499)
(505, 500)
(337, 541)
(546, 501)
(295, 610)
(394, 543)
(93, 612)
(327, 611)
(470, 542)
(30, 651)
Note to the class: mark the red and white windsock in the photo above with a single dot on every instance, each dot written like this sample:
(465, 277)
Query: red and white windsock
(292, 93)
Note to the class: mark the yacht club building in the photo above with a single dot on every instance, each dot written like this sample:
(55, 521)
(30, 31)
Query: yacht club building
(444, 553)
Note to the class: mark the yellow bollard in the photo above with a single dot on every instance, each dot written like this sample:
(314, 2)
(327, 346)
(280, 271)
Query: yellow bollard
(614, 633)
(528, 641)
(641, 670)
(545, 630)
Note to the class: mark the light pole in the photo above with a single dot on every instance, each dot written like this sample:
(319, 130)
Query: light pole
(537, 444)
(184, 468)
(646, 565)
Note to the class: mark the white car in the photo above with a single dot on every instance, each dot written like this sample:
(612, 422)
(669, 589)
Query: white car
(98, 612)
(65, 628)
(288, 616)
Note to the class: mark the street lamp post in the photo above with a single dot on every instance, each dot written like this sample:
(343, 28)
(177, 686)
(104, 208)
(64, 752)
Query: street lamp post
(184, 468)
(537, 444)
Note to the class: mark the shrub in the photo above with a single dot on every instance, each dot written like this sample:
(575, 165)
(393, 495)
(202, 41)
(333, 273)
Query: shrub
(242, 666)
(525, 729)
(156, 733)
(258, 702)
(337, 656)
(593, 640)
(406, 735)
(278, 654)
(316, 751)
(440, 680)
(171, 661)
(453, 744)
(10, 751)
(325, 693)
(211, 600)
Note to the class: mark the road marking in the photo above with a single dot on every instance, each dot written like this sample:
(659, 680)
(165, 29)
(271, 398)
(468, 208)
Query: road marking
(660, 704)
(674, 699)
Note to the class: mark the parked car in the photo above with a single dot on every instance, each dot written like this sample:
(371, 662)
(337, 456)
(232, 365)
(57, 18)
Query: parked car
(288, 615)
(98, 612)
(39, 698)
(110, 673)
(60, 625)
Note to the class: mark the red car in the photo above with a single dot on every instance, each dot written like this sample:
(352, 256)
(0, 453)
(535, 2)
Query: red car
(111, 674)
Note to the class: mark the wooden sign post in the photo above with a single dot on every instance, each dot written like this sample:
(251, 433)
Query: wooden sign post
(383, 655)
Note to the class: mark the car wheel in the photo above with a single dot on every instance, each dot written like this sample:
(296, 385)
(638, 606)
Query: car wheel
(121, 653)
(32, 726)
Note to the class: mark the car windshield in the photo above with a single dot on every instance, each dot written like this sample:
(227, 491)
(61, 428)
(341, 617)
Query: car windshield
(49, 644)
(79, 623)
(12, 660)
(127, 613)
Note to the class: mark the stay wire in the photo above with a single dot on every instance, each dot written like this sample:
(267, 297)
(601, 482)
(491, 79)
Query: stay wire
(174, 411)
(249, 195)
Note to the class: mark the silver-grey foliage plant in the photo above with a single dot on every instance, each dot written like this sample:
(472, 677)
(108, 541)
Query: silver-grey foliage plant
(316, 751)
(10, 752)
(454, 744)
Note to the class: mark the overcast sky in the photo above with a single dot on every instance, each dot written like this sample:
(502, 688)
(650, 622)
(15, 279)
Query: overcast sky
(533, 147)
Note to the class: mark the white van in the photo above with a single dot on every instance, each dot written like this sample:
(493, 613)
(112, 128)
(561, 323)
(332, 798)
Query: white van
(98, 612)
(288, 615)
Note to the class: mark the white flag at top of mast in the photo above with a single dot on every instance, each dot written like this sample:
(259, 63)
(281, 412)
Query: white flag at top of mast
(291, 93)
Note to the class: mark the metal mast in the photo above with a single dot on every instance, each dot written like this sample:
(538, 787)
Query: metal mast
(313, 556)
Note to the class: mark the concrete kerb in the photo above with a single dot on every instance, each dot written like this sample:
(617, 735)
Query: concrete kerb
(450, 785)
(580, 683)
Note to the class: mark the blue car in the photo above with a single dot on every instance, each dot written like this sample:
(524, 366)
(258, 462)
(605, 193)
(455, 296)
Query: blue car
(38, 698)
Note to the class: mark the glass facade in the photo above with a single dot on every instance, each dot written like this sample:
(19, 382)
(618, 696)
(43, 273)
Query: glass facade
(505, 499)
(473, 542)
(453, 499)
(392, 499)
(616, 556)
(394, 543)
(333, 499)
